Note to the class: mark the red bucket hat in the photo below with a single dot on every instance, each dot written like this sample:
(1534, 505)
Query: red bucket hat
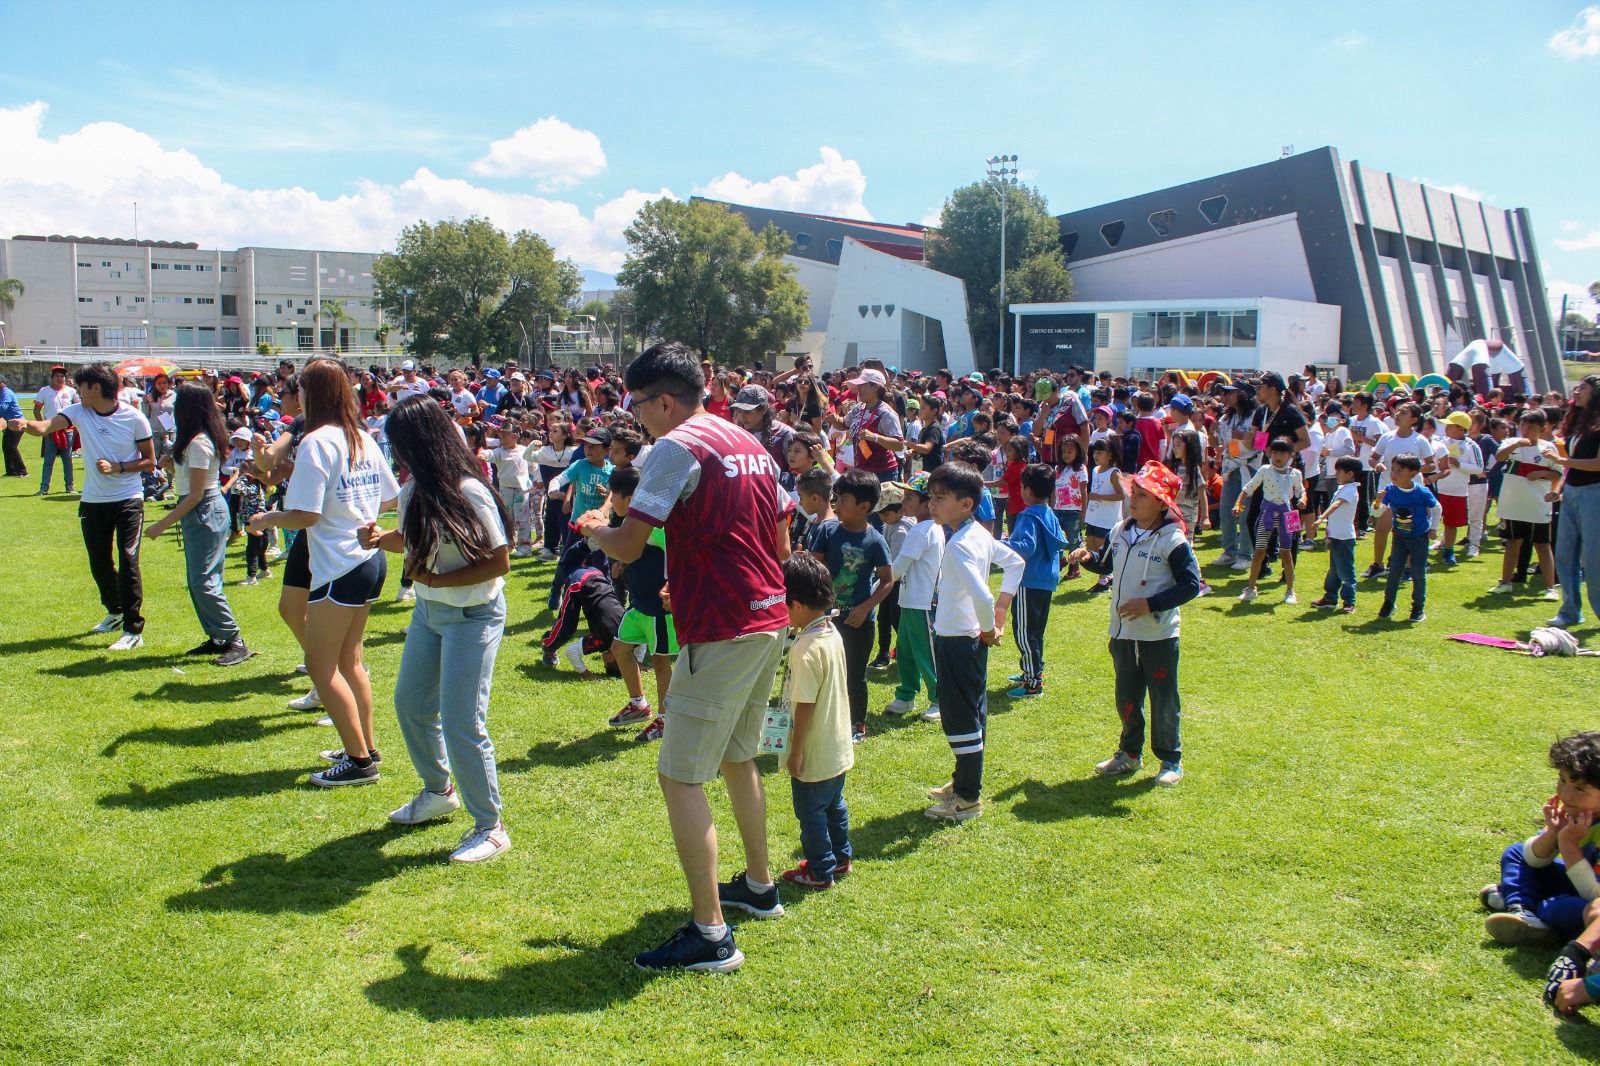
(1164, 485)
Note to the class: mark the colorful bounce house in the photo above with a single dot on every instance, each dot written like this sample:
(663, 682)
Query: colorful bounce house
(1481, 363)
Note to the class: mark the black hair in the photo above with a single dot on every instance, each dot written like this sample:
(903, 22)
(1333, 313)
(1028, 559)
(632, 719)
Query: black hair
(1112, 446)
(425, 442)
(668, 367)
(1194, 454)
(1403, 462)
(1282, 444)
(631, 442)
(1534, 415)
(99, 375)
(1127, 415)
(1349, 464)
(1146, 403)
(860, 486)
(1578, 756)
(624, 481)
(959, 480)
(814, 482)
(1586, 418)
(194, 412)
(806, 581)
(969, 453)
(1039, 479)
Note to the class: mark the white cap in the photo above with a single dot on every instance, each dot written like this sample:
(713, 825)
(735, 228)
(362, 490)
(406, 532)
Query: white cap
(519, 376)
(241, 434)
(409, 364)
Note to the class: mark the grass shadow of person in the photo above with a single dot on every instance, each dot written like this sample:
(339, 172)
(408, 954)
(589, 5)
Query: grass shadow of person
(71, 642)
(222, 731)
(891, 836)
(203, 789)
(1078, 797)
(324, 878)
(1531, 962)
(230, 690)
(578, 751)
(567, 977)
(537, 671)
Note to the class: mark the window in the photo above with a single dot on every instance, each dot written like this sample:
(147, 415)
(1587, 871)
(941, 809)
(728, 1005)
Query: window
(106, 263)
(88, 336)
(205, 299)
(1144, 330)
(201, 268)
(263, 334)
(161, 299)
(86, 299)
(278, 308)
(113, 336)
(230, 270)
(303, 340)
(1194, 329)
(182, 266)
(1212, 207)
(1167, 333)
(116, 273)
(206, 336)
(138, 299)
(186, 336)
(1069, 243)
(160, 266)
(230, 336)
(1102, 333)
(1244, 329)
(1219, 327)
(261, 303)
(82, 265)
(802, 241)
(137, 338)
(1112, 232)
(230, 305)
(835, 249)
(1161, 221)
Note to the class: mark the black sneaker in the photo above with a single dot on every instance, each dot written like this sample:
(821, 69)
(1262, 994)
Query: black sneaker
(232, 654)
(210, 647)
(336, 755)
(1325, 602)
(1385, 613)
(739, 895)
(1571, 964)
(345, 772)
(686, 949)
(1374, 571)
(882, 662)
(1418, 616)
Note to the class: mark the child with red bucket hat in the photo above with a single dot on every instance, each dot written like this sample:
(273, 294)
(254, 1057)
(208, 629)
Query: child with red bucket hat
(1153, 572)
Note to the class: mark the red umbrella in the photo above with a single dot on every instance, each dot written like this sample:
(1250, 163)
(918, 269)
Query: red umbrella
(146, 367)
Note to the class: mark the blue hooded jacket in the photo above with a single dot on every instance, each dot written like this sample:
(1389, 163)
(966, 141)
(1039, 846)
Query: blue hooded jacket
(1037, 537)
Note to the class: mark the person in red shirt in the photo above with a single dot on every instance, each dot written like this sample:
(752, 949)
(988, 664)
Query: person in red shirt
(708, 482)
(1152, 435)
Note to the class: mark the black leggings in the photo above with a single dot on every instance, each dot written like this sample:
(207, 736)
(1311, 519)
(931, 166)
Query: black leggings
(888, 621)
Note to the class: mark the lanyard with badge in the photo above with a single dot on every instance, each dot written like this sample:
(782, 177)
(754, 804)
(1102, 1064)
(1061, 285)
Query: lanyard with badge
(777, 723)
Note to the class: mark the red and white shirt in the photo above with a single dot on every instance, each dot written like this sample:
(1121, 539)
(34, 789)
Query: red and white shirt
(714, 489)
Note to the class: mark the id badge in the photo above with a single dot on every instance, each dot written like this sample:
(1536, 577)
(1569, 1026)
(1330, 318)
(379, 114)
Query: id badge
(775, 727)
(1291, 521)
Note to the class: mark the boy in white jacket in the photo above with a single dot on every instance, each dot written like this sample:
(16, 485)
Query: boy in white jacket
(1153, 572)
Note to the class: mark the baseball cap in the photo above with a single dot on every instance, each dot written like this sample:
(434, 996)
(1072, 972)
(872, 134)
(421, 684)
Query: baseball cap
(545, 375)
(913, 404)
(1182, 402)
(241, 435)
(519, 376)
(409, 364)
(492, 374)
(58, 369)
(976, 376)
(1459, 419)
(601, 437)
(591, 372)
(751, 397)
(890, 494)
(868, 377)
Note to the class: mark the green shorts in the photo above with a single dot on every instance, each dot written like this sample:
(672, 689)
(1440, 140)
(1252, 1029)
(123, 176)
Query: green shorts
(715, 705)
(654, 631)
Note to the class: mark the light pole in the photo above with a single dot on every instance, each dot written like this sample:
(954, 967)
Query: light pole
(145, 322)
(1002, 176)
(294, 330)
(2, 334)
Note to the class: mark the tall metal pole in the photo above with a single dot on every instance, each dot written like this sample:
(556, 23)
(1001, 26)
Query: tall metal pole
(1002, 175)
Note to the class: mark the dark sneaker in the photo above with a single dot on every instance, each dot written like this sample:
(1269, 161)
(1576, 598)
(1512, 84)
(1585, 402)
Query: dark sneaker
(1348, 608)
(738, 894)
(882, 662)
(1418, 616)
(337, 755)
(1386, 613)
(801, 875)
(841, 868)
(652, 731)
(686, 949)
(1324, 603)
(548, 659)
(345, 772)
(1570, 965)
(858, 733)
(210, 647)
(1374, 571)
(233, 654)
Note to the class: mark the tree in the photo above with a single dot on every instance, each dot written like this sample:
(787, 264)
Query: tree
(699, 275)
(469, 290)
(331, 315)
(10, 289)
(1577, 322)
(966, 244)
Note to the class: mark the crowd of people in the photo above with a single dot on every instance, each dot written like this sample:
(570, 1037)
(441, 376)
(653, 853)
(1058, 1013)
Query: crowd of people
(718, 526)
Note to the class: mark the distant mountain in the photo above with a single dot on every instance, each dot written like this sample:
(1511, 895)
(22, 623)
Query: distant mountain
(597, 279)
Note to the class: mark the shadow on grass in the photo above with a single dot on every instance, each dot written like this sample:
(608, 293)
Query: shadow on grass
(223, 731)
(73, 642)
(1531, 963)
(537, 671)
(99, 666)
(1084, 797)
(233, 688)
(893, 835)
(203, 789)
(566, 978)
(378, 640)
(596, 747)
(328, 876)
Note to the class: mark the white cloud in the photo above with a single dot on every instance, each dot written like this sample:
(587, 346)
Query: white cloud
(85, 182)
(1464, 191)
(1577, 298)
(556, 154)
(1570, 225)
(1350, 41)
(834, 186)
(1581, 40)
(1583, 242)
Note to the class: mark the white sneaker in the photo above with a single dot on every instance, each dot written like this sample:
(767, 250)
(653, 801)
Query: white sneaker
(898, 707)
(1504, 588)
(301, 669)
(521, 552)
(1553, 595)
(1120, 763)
(309, 702)
(324, 720)
(1289, 598)
(425, 807)
(1473, 552)
(931, 714)
(405, 595)
(1171, 773)
(251, 580)
(1248, 594)
(480, 845)
(127, 642)
(1240, 564)
(108, 623)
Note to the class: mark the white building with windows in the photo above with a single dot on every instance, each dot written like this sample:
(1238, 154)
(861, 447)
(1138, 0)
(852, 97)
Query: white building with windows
(82, 295)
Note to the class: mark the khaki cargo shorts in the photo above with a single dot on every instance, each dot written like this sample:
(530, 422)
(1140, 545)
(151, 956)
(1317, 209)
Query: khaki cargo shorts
(715, 705)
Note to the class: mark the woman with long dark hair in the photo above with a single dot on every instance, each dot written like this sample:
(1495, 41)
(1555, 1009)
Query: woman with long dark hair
(452, 535)
(341, 483)
(200, 442)
(1578, 532)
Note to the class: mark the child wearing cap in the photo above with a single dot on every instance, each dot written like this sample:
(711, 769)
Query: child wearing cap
(1456, 460)
(915, 568)
(889, 518)
(1154, 573)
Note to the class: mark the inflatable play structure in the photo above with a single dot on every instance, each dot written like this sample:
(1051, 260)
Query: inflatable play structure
(1384, 383)
(1212, 377)
(1480, 363)
(1433, 381)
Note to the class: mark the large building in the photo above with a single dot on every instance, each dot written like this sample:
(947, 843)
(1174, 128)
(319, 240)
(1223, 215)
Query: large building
(1307, 259)
(870, 294)
(130, 296)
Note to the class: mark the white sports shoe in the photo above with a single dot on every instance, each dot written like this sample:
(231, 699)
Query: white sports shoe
(480, 845)
(1553, 595)
(1248, 594)
(1120, 763)
(301, 669)
(1503, 588)
(899, 707)
(931, 714)
(309, 702)
(1240, 564)
(405, 595)
(108, 623)
(521, 552)
(127, 642)
(425, 807)
(1289, 598)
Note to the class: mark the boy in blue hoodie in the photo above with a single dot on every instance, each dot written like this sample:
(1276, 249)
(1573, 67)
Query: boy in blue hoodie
(1036, 536)
(1154, 572)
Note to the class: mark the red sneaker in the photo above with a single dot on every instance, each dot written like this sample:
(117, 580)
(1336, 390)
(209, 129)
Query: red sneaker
(629, 715)
(653, 730)
(801, 875)
(840, 869)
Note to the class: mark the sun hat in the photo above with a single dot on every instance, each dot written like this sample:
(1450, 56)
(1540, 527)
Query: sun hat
(868, 377)
(1164, 485)
(240, 434)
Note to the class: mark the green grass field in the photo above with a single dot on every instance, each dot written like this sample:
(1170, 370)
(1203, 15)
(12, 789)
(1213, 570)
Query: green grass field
(1577, 371)
(174, 892)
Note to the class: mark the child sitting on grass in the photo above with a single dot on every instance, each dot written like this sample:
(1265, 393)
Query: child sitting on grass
(819, 751)
(1155, 572)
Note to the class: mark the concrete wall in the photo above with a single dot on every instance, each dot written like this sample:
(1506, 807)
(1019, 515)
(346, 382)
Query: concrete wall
(886, 287)
(1262, 258)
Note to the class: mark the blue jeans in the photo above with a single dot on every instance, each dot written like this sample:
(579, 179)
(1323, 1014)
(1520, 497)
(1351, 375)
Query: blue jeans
(205, 549)
(1235, 537)
(441, 698)
(824, 824)
(49, 453)
(1071, 528)
(1544, 890)
(1407, 552)
(1341, 580)
(1578, 551)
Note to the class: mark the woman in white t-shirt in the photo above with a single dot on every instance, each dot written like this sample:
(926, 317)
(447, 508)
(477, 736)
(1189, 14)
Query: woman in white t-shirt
(196, 459)
(452, 535)
(341, 483)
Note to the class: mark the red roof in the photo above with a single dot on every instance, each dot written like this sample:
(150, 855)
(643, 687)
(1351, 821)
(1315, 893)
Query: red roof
(912, 252)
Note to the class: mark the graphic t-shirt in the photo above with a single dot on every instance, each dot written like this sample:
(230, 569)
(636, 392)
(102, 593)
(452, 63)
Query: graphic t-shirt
(853, 559)
(114, 437)
(1070, 483)
(1411, 508)
(588, 484)
(348, 495)
(1522, 499)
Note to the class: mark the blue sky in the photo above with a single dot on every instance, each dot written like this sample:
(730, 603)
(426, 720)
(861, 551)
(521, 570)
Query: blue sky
(332, 125)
